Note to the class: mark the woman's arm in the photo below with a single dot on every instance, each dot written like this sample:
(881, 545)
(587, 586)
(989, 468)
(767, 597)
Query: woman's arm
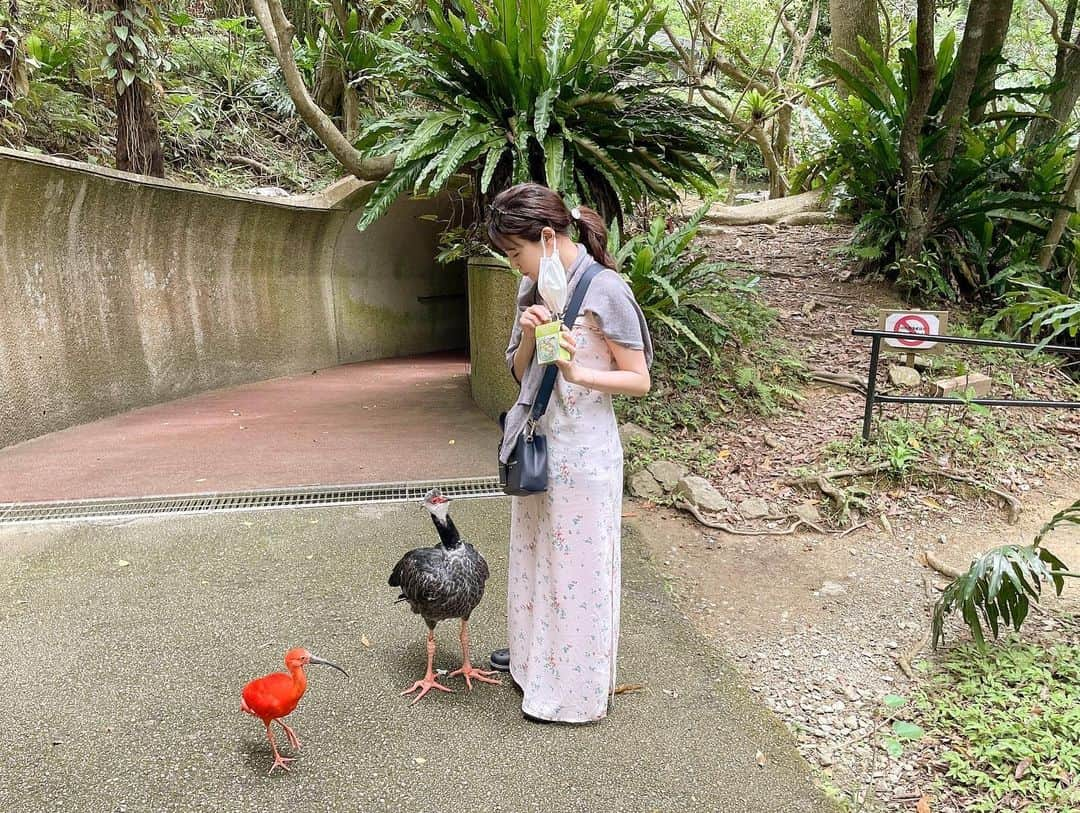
(630, 378)
(531, 318)
(523, 355)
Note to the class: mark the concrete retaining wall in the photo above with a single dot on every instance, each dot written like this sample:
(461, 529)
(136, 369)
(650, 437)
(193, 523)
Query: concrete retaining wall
(118, 291)
(492, 305)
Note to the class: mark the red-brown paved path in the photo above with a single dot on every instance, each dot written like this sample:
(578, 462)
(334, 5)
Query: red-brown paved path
(373, 422)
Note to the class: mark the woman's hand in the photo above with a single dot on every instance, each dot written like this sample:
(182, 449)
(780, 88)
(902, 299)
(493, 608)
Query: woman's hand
(531, 318)
(571, 371)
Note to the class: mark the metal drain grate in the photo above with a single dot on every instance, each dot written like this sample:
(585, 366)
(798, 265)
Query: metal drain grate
(306, 497)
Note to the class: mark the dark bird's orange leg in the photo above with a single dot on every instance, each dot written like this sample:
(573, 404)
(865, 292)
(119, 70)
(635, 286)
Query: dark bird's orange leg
(427, 682)
(467, 669)
(278, 758)
(294, 741)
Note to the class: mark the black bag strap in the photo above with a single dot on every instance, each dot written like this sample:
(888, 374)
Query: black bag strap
(548, 384)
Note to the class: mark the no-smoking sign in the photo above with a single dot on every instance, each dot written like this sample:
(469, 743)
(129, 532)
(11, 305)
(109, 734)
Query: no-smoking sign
(918, 324)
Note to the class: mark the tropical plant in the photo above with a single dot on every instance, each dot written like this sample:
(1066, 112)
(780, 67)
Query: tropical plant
(676, 287)
(1040, 313)
(360, 52)
(1001, 584)
(47, 58)
(499, 93)
(129, 64)
(1000, 193)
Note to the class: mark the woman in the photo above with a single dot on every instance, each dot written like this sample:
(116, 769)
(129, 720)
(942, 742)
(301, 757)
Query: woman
(564, 570)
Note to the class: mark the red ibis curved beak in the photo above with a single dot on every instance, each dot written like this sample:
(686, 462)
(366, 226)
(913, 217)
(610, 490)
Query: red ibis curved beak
(324, 662)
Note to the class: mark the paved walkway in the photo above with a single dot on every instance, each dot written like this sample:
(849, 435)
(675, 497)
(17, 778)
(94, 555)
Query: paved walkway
(377, 422)
(126, 646)
(127, 642)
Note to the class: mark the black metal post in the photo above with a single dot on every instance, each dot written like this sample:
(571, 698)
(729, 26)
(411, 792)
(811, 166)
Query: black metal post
(871, 386)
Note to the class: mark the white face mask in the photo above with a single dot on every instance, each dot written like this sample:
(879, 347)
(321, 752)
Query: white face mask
(551, 280)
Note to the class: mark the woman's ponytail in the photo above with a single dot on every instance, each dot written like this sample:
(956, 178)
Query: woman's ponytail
(525, 209)
(594, 235)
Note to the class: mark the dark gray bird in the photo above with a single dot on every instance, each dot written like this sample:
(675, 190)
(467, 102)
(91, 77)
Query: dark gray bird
(441, 582)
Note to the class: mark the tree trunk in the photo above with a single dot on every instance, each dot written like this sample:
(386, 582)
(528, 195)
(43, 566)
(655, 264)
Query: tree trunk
(782, 120)
(958, 105)
(1059, 105)
(910, 157)
(330, 81)
(1062, 101)
(997, 28)
(1070, 202)
(350, 112)
(138, 142)
(850, 20)
(781, 143)
(14, 81)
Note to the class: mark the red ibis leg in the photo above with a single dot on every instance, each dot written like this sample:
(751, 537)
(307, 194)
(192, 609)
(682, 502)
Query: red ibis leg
(427, 682)
(293, 739)
(467, 669)
(278, 758)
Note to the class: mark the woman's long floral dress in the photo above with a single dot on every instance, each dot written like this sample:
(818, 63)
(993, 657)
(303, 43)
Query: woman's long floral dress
(564, 570)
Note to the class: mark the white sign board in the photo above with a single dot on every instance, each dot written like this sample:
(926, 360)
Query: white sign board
(917, 323)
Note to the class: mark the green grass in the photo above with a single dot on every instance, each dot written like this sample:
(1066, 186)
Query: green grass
(964, 437)
(1004, 727)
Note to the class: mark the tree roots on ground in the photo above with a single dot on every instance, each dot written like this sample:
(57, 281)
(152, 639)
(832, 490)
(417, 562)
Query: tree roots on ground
(845, 498)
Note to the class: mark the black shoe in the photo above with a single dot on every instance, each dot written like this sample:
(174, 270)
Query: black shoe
(500, 660)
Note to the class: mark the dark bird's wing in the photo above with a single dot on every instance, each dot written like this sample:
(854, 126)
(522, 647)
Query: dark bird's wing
(395, 574)
(419, 575)
(481, 565)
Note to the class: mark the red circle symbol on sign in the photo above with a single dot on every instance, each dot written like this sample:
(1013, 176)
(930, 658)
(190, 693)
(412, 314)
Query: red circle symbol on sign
(912, 324)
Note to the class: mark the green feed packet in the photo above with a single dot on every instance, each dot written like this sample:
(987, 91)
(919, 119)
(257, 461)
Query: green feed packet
(548, 348)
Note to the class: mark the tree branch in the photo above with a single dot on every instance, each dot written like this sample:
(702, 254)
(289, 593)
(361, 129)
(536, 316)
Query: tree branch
(1055, 27)
(279, 34)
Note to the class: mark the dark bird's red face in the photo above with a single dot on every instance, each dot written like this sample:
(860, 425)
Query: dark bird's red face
(437, 505)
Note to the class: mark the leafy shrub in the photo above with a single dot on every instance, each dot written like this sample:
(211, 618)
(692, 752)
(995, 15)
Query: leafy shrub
(499, 93)
(996, 205)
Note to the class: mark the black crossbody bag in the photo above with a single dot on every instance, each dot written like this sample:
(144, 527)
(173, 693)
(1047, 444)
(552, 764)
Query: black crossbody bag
(526, 472)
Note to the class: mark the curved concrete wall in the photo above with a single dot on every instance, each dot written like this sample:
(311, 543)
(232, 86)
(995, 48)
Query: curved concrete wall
(492, 305)
(118, 291)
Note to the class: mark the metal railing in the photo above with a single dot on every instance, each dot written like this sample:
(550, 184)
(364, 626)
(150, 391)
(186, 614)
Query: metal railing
(872, 397)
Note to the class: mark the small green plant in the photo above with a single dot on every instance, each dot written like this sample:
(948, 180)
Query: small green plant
(902, 731)
(676, 287)
(710, 332)
(900, 446)
(1003, 727)
(52, 59)
(458, 243)
(1001, 584)
(1040, 313)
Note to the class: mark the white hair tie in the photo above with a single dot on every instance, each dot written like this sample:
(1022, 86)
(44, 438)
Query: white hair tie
(575, 213)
